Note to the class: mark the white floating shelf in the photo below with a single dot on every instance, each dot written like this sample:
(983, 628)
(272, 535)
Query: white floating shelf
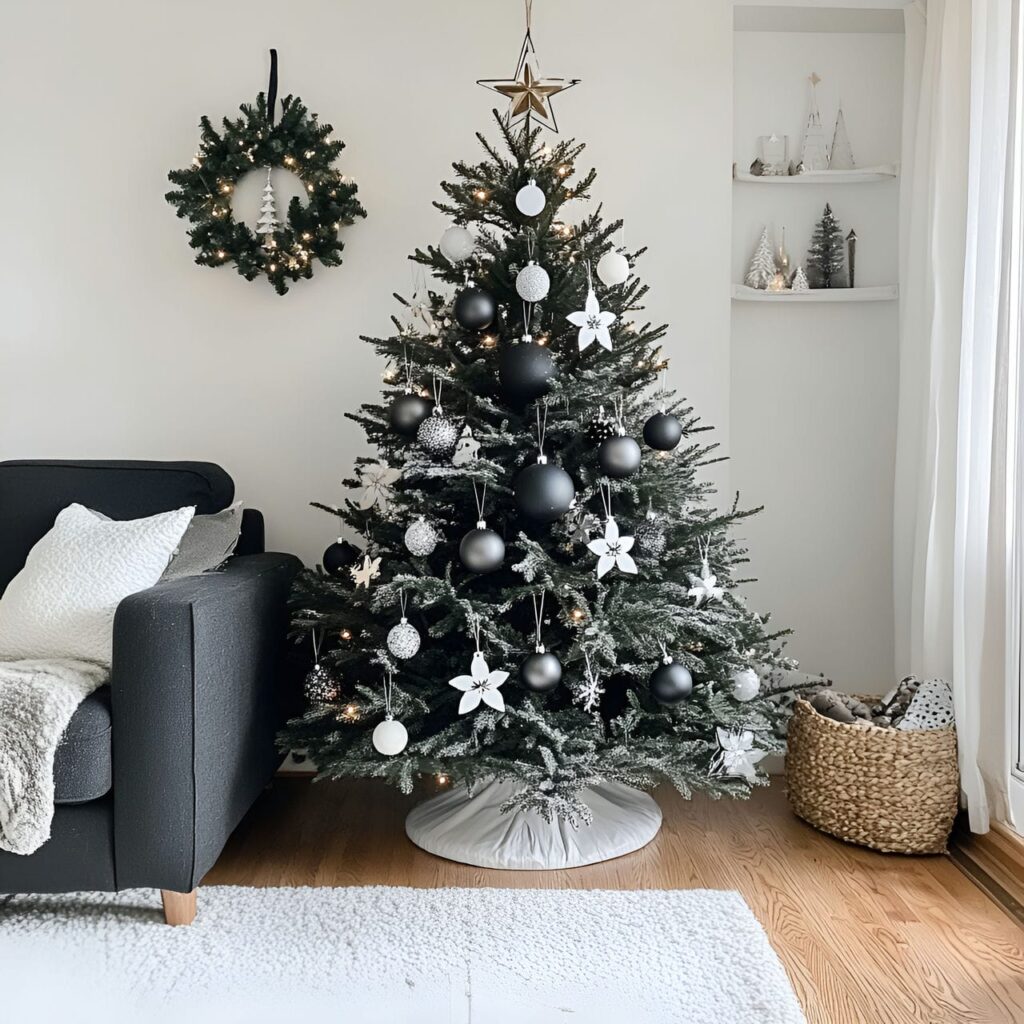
(858, 176)
(878, 293)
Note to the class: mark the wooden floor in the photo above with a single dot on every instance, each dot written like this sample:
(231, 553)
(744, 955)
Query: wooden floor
(866, 938)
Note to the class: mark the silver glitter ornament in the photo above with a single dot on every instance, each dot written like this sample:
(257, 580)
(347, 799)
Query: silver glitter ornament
(420, 538)
(650, 537)
(438, 435)
(320, 685)
(404, 639)
(532, 282)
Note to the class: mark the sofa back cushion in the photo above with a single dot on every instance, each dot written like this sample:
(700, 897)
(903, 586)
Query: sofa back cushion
(33, 492)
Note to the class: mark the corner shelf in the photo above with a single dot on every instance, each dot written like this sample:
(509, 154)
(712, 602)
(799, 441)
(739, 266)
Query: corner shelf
(878, 293)
(858, 176)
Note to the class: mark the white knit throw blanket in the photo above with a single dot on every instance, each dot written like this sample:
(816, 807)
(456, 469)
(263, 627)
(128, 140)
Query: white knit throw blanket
(37, 700)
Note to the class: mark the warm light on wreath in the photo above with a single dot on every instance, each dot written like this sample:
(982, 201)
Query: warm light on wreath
(282, 249)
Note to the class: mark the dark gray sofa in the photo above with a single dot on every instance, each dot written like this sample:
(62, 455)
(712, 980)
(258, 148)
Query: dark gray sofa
(156, 769)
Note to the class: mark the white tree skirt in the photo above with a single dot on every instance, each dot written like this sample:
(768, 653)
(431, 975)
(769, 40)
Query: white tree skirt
(472, 829)
(392, 956)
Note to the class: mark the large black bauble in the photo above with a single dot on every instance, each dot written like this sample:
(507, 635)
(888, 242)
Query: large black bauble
(339, 556)
(525, 371)
(619, 457)
(663, 431)
(540, 672)
(475, 309)
(671, 683)
(482, 550)
(544, 492)
(407, 412)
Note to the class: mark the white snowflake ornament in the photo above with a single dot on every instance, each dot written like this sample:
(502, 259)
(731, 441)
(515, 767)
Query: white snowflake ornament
(704, 587)
(738, 755)
(376, 480)
(480, 685)
(612, 550)
(593, 323)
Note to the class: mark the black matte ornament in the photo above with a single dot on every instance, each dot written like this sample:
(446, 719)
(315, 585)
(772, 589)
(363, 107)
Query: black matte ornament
(619, 457)
(540, 672)
(663, 431)
(407, 412)
(482, 550)
(339, 556)
(475, 309)
(525, 371)
(544, 492)
(671, 683)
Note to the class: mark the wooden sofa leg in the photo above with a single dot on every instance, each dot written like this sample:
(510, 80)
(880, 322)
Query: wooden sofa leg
(179, 907)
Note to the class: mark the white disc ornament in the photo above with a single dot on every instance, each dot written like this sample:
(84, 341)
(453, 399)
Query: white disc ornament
(404, 639)
(613, 268)
(745, 684)
(457, 244)
(530, 200)
(390, 737)
(420, 538)
(532, 282)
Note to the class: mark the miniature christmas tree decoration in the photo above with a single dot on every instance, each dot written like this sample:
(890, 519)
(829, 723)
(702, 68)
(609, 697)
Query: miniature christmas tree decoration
(841, 155)
(813, 156)
(826, 258)
(762, 265)
(800, 281)
(268, 222)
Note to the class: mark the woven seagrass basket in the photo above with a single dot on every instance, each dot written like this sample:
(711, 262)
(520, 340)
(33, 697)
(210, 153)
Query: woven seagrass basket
(889, 789)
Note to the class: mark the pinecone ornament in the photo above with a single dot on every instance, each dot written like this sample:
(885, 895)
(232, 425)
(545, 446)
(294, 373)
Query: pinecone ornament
(601, 427)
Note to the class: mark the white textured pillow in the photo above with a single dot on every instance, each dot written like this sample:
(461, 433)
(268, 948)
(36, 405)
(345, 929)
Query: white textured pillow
(62, 604)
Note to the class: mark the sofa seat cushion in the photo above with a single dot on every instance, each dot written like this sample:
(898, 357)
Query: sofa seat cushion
(82, 764)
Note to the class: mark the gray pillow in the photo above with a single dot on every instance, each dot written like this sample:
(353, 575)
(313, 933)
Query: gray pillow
(207, 544)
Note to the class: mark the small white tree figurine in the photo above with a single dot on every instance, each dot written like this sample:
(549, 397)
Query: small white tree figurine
(268, 222)
(800, 281)
(762, 266)
(814, 156)
(841, 156)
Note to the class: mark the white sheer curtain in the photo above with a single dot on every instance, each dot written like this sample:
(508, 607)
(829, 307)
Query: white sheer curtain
(952, 546)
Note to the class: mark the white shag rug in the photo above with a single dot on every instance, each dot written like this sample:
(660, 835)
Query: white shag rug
(393, 956)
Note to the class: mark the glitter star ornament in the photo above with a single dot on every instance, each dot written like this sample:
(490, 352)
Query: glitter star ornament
(480, 685)
(738, 755)
(376, 480)
(363, 574)
(704, 587)
(593, 323)
(612, 550)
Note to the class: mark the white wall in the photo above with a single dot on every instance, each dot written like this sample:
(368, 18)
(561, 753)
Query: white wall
(113, 344)
(813, 414)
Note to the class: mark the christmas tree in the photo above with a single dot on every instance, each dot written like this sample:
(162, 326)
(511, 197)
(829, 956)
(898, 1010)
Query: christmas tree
(554, 604)
(762, 264)
(268, 222)
(826, 258)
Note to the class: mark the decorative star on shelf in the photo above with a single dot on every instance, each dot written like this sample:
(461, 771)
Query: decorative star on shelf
(376, 480)
(480, 685)
(704, 587)
(529, 94)
(738, 755)
(593, 323)
(362, 574)
(612, 550)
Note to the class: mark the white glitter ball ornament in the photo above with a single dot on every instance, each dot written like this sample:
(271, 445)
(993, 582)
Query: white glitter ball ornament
(390, 737)
(404, 639)
(530, 200)
(532, 282)
(420, 538)
(457, 244)
(745, 684)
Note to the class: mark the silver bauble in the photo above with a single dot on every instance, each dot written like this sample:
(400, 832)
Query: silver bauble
(530, 200)
(650, 538)
(670, 683)
(482, 550)
(532, 282)
(540, 672)
(438, 435)
(390, 737)
(613, 268)
(746, 684)
(619, 457)
(420, 538)
(404, 639)
(457, 244)
(320, 686)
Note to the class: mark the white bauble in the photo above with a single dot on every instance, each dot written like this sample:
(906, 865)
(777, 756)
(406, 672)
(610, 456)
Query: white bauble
(420, 538)
(404, 639)
(745, 684)
(532, 282)
(530, 200)
(613, 268)
(390, 737)
(457, 244)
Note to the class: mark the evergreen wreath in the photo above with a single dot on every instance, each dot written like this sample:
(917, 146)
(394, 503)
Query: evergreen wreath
(281, 251)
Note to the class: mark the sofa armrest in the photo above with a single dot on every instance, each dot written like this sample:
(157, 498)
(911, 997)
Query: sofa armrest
(195, 712)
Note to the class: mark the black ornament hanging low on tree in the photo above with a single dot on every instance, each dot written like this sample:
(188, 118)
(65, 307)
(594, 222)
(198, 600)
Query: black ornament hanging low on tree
(670, 682)
(481, 550)
(663, 431)
(339, 556)
(525, 371)
(407, 412)
(475, 309)
(541, 671)
(619, 456)
(282, 250)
